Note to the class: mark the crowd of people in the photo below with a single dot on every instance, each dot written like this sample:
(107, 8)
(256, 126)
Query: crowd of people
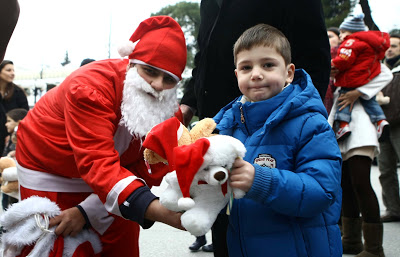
(320, 103)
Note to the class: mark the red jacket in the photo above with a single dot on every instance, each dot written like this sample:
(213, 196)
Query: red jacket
(70, 133)
(359, 56)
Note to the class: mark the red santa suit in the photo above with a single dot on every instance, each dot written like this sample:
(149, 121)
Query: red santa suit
(71, 144)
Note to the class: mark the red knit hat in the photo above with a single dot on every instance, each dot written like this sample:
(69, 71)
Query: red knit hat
(188, 160)
(159, 42)
(163, 137)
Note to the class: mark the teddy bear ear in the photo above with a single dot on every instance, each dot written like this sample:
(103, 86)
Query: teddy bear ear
(239, 147)
(203, 128)
(186, 203)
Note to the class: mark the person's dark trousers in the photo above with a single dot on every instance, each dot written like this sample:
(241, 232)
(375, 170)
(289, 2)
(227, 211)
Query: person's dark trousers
(4, 201)
(218, 232)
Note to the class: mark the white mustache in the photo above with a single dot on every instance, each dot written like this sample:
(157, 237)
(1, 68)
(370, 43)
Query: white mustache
(143, 85)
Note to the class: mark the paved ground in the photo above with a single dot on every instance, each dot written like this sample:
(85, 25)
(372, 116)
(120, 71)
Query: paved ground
(162, 240)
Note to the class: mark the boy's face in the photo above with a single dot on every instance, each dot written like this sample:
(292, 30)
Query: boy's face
(262, 73)
(11, 124)
(157, 79)
(343, 34)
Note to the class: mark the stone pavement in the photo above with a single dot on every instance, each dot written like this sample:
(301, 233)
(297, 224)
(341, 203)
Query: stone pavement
(162, 240)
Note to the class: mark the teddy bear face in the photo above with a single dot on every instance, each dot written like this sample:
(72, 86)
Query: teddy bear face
(219, 159)
(212, 175)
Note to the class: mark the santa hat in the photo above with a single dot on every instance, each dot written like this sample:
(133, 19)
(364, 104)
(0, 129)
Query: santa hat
(159, 42)
(163, 137)
(188, 160)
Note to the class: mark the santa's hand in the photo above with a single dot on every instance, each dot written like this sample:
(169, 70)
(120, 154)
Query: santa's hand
(241, 175)
(69, 223)
(156, 212)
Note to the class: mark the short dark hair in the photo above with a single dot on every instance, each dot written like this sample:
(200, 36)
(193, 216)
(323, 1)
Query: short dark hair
(263, 35)
(17, 114)
(334, 30)
(86, 61)
(395, 35)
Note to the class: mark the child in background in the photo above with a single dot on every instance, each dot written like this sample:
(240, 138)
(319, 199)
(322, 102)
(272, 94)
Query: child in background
(357, 62)
(292, 168)
(13, 118)
(334, 42)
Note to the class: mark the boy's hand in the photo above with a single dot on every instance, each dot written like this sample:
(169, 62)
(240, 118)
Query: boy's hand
(242, 175)
(334, 72)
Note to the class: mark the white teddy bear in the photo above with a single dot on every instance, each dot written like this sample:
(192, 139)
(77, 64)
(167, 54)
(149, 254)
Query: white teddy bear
(199, 184)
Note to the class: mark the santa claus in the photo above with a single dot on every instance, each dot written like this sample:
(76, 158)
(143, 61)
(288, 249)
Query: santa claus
(80, 146)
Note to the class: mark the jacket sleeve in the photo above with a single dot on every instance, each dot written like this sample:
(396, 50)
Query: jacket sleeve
(90, 125)
(372, 88)
(346, 56)
(314, 184)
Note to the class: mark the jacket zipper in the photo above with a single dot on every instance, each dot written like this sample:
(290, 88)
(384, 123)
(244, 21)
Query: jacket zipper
(242, 119)
(242, 115)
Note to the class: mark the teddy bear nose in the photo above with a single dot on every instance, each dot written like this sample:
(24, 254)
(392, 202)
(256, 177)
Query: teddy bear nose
(219, 176)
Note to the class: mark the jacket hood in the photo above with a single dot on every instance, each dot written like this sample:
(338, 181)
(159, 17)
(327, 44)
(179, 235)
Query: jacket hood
(299, 98)
(379, 41)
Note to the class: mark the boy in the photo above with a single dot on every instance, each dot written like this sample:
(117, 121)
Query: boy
(292, 168)
(357, 62)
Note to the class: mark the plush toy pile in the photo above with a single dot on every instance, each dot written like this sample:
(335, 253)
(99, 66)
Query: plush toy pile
(9, 177)
(200, 164)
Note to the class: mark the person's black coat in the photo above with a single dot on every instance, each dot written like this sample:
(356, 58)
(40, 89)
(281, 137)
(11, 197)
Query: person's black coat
(18, 100)
(213, 82)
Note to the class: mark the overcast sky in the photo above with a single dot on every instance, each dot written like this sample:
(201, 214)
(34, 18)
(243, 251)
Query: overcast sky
(46, 29)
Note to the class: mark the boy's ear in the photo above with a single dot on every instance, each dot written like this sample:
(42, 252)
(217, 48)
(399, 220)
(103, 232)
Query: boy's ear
(290, 73)
(236, 73)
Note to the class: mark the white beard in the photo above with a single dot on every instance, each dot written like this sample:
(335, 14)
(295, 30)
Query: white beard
(142, 107)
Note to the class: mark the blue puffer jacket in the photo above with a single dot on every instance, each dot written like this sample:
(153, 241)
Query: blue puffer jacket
(293, 207)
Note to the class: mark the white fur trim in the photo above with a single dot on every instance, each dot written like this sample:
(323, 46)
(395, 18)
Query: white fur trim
(111, 203)
(180, 131)
(168, 72)
(98, 216)
(127, 48)
(186, 203)
(43, 181)
(10, 174)
(71, 243)
(28, 207)
(20, 218)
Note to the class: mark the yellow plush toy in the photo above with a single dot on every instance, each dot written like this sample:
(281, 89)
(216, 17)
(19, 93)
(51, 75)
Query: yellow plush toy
(203, 128)
(9, 178)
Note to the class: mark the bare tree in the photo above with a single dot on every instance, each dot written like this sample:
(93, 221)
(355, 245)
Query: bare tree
(368, 17)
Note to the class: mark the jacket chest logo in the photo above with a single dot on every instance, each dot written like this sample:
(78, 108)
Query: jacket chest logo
(265, 160)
